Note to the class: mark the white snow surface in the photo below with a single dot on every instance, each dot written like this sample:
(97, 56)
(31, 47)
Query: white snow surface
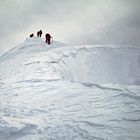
(61, 92)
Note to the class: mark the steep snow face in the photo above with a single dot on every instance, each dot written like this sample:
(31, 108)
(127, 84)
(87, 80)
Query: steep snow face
(59, 92)
(92, 63)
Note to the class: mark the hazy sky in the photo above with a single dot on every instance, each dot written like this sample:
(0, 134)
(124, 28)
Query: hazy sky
(70, 21)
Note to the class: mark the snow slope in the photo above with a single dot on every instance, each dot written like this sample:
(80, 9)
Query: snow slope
(92, 63)
(69, 92)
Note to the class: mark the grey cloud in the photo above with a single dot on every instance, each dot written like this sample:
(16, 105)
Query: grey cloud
(73, 22)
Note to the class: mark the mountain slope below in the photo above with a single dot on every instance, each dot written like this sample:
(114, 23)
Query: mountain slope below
(91, 63)
(59, 92)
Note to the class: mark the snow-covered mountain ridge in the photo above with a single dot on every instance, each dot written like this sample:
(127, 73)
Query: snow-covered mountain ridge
(59, 92)
(89, 63)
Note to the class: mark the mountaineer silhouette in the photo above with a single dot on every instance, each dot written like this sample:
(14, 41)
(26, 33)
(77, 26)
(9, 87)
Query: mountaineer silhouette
(39, 33)
(32, 35)
(48, 38)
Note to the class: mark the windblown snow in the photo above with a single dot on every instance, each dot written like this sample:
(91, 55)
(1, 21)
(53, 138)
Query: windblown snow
(61, 92)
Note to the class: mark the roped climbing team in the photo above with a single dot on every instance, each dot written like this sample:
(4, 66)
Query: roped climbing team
(47, 36)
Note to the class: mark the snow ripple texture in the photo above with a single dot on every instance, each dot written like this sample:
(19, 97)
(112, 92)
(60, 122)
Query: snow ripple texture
(63, 92)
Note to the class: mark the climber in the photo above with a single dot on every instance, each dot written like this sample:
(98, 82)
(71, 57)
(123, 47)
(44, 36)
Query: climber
(48, 38)
(32, 35)
(39, 33)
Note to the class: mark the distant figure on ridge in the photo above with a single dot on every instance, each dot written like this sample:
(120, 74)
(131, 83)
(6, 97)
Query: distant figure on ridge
(48, 38)
(32, 35)
(39, 33)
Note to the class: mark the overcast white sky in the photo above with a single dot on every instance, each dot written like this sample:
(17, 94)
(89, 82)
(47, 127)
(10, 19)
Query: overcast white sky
(70, 21)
